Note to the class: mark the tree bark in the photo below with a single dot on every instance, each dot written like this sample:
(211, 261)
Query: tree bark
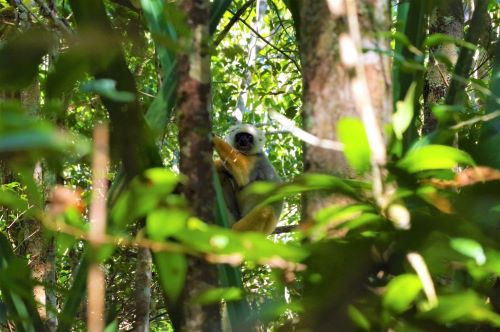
(196, 159)
(328, 96)
(447, 17)
(143, 282)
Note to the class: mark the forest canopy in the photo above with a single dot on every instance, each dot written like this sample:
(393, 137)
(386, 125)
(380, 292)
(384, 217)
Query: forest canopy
(129, 199)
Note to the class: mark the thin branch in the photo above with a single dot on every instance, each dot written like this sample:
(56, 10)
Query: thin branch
(482, 118)
(351, 57)
(61, 23)
(234, 19)
(268, 43)
(98, 212)
(304, 135)
(285, 229)
(418, 264)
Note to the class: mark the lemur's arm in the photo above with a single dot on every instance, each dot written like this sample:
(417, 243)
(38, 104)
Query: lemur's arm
(238, 164)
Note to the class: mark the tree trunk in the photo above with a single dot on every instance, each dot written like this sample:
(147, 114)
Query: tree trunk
(447, 17)
(327, 95)
(143, 281)
(40, 249)
(329, 83)
(196, 159)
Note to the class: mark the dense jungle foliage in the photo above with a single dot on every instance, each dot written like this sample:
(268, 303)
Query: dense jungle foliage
(102, 103)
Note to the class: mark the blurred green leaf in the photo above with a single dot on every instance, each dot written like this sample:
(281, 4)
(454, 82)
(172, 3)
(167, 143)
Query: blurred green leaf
(401, 292)
(440, 38)
(249, 246)
(358, 318)
(434, 157)
(403, 116)
(144, 194)
(107, 88)
(20, 132)
(218, 294)
(465, 307)
(10, 199)
(172, 268)
(165, 222)
(352, 133)
(70, 67)
(21, 56)
(469, 248)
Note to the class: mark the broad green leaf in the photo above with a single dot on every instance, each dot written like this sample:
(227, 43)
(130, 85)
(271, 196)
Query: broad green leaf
(217, 294)
(440, 38)
(469, 248)
(351, 133)
(165, 222)
(403, 116)
(107, 88)
(249, 246)
(465, 307)
(172, 268)
(431, 157)
(401, 292)
(21, 132)
(144, 194)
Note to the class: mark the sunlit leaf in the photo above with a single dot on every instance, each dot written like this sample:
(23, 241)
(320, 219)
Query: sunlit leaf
(469, 248)
(401, 292)
(434, 157)
(403, 116)
(351, 133)
(217, 294)
(165, 222)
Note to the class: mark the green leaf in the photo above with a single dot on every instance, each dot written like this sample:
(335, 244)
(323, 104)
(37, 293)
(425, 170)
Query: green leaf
(466, 307)
(401, 292)
(107, 88)
(431, 157)
(440, 38)
(249, 246)
(172, 268)
(401, 119)
(165, 222)
(469, 248)
(20, 132)
(216, 12)
(352, 133)
(10, 199)
(217, 294)
(358, 318)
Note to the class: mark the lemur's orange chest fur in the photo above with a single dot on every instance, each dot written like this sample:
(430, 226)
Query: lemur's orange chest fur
(238, 164)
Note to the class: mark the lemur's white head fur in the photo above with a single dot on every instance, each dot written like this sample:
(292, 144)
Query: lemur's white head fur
(259, 138)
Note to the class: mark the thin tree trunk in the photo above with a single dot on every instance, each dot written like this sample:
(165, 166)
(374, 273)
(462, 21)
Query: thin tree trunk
(196, 159)
(143, 281)
(447, 18)
(39, 248)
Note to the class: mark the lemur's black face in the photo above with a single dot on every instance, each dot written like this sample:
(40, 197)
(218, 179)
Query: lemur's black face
(243, 142)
